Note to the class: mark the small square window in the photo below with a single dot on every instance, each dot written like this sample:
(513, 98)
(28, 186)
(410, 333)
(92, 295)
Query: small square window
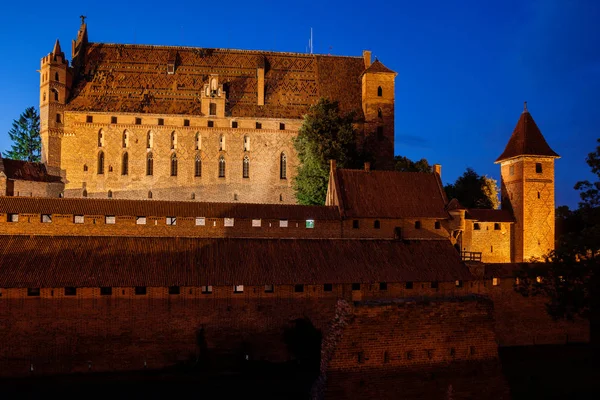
(174, 290)
(12, 217)
(283, 223)
(78, 219)
(434, 284)
(238, 289)
(211, 124)
(207, 289)
(497, 226)
(140, 290)
(258, 125)
(299, 288)
(212, 109)
(46, 218)
(538, 168)
(109, 219)
(138, 121)
(310, 223)
(409, 285)
(89, 119)
(186, 122)
(476, 226)
(161, 121)
(356, 286)
(269, 288)
(106, 291)
(281, 126)
(355, 224)
(33, 292)
(234, 124)
(70, 291)
(200, 221)
(458, 284)
(228, 221)
(328, 287)
(382, 286)
(377, 224)
(113, 120)
(417, 224)
(140, 220)
(495, 281)
(438, 225)
(256, 223)
(171, 221)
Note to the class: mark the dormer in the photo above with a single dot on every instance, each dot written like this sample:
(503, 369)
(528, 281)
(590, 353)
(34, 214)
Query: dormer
(172, 62)
(213, 97)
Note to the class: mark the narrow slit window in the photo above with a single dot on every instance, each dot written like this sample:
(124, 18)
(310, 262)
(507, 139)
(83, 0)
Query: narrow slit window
(174, 165)
(538, 168)
(101, 163)
(197, 166)
(282, 166)
(125, 164)
(222, 167)
(379, 91)
(246, 167)
(149, 165)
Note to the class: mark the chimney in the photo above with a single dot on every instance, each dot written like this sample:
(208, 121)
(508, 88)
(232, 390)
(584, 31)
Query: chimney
(367, 58)
(437, 168)
(331, 165)
(367, 167)
(260, 75)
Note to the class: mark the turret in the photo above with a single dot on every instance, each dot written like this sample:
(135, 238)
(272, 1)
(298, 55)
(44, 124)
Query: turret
(527, 171)
(378, 109)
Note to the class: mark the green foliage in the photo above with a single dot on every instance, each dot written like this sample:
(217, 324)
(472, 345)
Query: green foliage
(25, 134)
(324, 135)
(404, 164)
(474, 191)
(570, 277)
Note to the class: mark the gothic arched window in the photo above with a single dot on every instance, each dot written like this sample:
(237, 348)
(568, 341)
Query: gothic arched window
(149, 140)
(56, 77)
(174, 165)
(125, 164)
(101, 163)
(379, 91)
(149, 165)
(222, 143)
(100, 138)
(125, 139)
(246, 143)
(246, 167)
(198, 166)
(221, 167)
(198, 141)
(55, 93)
(282, 166)
(173, 140)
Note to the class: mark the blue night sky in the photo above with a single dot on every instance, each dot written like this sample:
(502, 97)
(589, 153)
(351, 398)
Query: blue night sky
(464, 69)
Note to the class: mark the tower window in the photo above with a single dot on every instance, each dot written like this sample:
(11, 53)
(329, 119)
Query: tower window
(56, 77)
(246, 167)
(113, 120)
(110, 194)
(161, 121)
(55, 94)
(174, 165)
(379, 91)
(58, 119)
(476, 226)
(222, 167)
(198, 141)
(379, 114)
(173, 140)
(282, 166)
(89, 119)
(186, 122)
(212, 109)
(197, 166)
(258, 125)
(100, 138)
(497, 226)
(149, 140)
(234, 124)
(138, 121)
(211, 124)
(377, 224)
(538, 195)
(417, 224)
(125, 164)
(125, 139)
(149, 165)
(281, 126)
(101, 163)
(538, 168)
(438, 225)
(221, 143)
(246, 143)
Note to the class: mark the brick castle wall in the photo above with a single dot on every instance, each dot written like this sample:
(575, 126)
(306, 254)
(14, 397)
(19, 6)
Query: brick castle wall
(494, 245)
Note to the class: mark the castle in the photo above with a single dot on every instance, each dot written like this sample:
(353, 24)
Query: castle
(96, 281)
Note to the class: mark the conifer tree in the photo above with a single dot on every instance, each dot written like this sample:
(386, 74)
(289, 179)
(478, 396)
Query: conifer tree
(25, 134)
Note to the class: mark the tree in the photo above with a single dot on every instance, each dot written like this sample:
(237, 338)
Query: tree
(474, 191)
(325, 134)
(570, 277)
(404, 164)
(25, 134)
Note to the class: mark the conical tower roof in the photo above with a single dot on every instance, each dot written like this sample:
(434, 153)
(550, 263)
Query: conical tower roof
(378, 67)
(526, 140)
(57, 49)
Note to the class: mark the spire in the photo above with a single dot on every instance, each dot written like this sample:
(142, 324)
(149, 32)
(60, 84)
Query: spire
(525, 107)
(57, 49)
(526, 140)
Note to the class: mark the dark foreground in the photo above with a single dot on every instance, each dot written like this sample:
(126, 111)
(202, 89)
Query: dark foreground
(536, 372)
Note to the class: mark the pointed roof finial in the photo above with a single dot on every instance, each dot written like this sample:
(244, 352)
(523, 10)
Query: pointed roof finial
(57, 49)
(83, 17)
(525, 110)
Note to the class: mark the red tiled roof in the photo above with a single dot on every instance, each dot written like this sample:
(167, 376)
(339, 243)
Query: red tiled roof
(79, 206)
(454, 204)
(133, 78)
(27, 171)
(526, 139)
(134, 261)
(487, 215)
(378, 66)
(390, 194)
